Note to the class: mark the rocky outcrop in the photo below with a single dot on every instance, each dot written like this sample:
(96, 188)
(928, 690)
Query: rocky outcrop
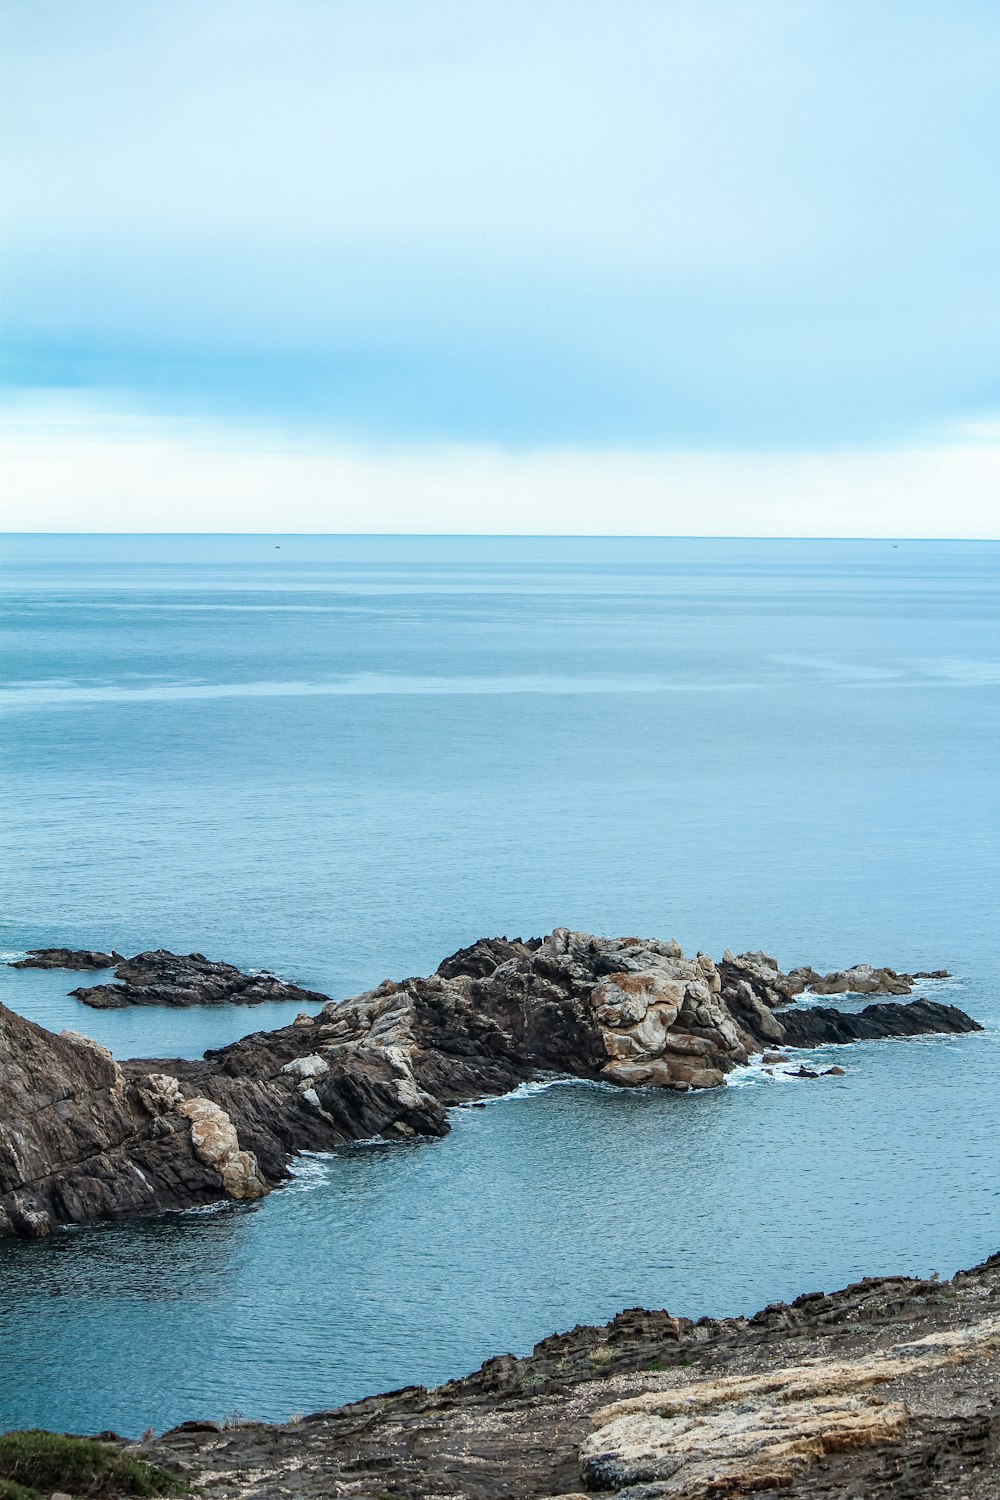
(163, 978)
(79, 1140)
(819, 1025)
(889, 1388)
(863, 979)
(66, 958)
(83, 1137)
(762, 976)
(758, 995)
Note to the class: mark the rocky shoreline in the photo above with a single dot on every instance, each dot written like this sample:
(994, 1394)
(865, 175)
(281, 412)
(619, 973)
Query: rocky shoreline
(83, 1137)
(887, 1390)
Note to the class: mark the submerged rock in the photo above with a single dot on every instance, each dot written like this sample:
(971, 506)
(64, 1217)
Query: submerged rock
(83, 1137)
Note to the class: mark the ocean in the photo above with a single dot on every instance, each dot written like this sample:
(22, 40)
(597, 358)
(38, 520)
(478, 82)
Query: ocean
(341, 758)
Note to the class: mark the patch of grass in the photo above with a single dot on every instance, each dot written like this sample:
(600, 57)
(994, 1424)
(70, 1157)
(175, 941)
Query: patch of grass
(48, 1461)
(11, 1491)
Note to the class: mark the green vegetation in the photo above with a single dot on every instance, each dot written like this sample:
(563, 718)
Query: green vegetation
(600, 1356)
(43, 1462)
(11, 1491)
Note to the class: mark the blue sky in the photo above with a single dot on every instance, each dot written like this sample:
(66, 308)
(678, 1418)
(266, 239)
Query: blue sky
(712, 225)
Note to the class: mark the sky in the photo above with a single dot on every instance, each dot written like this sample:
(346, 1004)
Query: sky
(690, 266)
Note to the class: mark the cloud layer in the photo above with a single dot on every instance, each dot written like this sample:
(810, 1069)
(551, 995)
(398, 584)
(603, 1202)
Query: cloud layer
(729, 225)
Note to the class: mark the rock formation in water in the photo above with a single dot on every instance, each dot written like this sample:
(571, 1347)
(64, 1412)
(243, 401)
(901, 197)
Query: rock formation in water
(82, 1137)
(761, 972)
(163, 978)
(888, 1390)
(66, 958)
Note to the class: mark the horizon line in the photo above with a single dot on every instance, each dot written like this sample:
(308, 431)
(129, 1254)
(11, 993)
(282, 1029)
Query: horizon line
(527, 536)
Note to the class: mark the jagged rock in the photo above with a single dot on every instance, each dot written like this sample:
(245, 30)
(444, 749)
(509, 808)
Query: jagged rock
(886, 1388)
(760, 975)
(83, 1137)
(864, 979)
(80, 1141)
(66, 958)
(163, 978)
(756, 977)
(480, 959)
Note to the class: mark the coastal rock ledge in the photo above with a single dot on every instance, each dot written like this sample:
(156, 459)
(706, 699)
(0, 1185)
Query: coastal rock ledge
(84, 1137)
(887, 1390)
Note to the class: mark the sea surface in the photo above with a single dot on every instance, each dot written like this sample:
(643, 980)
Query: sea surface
(343, 758)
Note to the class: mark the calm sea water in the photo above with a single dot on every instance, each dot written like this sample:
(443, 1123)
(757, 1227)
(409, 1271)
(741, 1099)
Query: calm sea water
(341, 758)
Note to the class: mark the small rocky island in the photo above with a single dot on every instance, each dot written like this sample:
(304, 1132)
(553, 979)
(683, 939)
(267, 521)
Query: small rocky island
(163, 978)
(83, 1137)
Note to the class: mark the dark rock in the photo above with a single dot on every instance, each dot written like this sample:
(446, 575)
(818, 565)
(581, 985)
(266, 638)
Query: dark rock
(482, 958)
(163, 978)
(66, 958)
(78, 1141)
(817, 1025)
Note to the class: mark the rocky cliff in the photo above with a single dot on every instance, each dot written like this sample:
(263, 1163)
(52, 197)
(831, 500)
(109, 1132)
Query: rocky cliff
(82, 1137)
(79, 1140)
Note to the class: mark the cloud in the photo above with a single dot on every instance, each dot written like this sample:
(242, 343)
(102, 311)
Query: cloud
(762, 225)
(72, 465)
